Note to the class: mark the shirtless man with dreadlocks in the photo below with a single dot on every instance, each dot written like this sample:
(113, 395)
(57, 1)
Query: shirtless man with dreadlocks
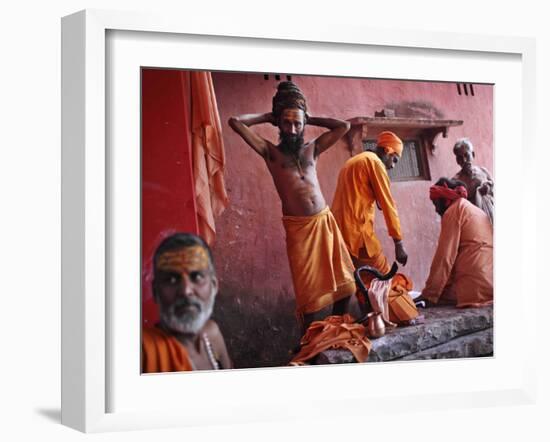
(322, 270)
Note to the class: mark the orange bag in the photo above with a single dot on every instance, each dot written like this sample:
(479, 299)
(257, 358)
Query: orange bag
(401, 305)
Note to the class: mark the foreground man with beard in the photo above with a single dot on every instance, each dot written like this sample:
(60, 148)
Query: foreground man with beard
(322, 271)
(184, 287)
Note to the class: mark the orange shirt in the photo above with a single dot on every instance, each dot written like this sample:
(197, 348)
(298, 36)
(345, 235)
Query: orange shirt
(362, 182)
(162, 352)
(462, 267)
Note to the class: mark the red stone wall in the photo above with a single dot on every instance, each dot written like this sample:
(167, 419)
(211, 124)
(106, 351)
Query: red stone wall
(256, 302)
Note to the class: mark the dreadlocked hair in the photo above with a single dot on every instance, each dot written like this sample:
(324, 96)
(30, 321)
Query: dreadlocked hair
(288, 96)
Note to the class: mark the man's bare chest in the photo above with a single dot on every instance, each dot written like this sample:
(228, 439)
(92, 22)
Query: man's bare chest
(279, 162)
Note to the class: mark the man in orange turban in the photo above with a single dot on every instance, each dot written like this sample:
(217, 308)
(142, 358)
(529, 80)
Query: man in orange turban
(390, 143)
(462, 268)
(184, 287)
(363, 182)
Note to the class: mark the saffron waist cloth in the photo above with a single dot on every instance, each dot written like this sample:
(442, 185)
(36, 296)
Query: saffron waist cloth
(321, 267)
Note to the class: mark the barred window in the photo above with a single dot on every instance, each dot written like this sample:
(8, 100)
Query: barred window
(411, 166)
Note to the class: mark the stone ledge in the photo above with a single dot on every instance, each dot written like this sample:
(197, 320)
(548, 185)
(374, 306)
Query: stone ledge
(448, 332)
(477, 344)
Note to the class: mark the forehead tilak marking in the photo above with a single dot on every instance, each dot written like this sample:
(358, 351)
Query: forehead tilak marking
(195, 256)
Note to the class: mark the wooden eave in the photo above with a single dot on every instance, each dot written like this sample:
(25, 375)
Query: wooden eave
(427, 128)
(408, 123)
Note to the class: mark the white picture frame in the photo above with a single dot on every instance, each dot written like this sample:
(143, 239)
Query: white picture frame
(88, 177)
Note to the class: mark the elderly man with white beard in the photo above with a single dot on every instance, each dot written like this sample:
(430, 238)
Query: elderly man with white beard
(184, 287)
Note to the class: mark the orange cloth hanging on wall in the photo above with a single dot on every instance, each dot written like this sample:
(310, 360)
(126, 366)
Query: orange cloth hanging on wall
(208, 154)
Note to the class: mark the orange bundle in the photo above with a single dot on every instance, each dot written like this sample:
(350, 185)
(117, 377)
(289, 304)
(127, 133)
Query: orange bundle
(401, 305)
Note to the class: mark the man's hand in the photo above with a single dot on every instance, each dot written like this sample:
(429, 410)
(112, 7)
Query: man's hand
(484, 188)
(400, 254)
(337, 129)
(241, 124)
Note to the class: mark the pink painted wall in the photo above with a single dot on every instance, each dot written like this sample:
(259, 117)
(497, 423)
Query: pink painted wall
(256, 287)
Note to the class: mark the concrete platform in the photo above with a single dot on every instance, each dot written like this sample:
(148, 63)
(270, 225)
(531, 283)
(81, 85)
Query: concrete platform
(447, 333)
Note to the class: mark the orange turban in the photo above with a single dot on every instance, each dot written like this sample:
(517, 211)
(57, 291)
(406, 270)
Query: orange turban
(390, 142)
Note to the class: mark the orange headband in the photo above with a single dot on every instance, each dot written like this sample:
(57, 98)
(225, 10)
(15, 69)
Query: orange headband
(390, 142)
(446, 194)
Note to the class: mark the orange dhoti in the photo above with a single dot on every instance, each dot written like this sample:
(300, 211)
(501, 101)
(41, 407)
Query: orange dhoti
(162, 353)
(321, 267)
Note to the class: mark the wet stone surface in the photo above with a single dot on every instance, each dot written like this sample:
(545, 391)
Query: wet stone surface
(447, 333)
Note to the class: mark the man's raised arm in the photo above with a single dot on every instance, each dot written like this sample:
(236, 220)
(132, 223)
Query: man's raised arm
(338, 129)
(241, 124)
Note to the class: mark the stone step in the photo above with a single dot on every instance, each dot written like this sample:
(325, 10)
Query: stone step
(474, 345)
(447, 331)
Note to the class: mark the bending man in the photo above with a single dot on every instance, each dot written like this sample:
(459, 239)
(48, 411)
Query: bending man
(185, 288)
(362, 182)
(462, 268)
(322, 271)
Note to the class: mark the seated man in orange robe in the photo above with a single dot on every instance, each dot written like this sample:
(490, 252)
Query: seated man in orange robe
(184, 287)
(462, 267)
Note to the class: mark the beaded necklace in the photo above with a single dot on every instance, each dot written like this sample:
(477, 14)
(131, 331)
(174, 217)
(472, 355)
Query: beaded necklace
(210, 352)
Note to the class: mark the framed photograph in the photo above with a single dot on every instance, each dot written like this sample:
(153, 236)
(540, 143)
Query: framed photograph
(127, 77)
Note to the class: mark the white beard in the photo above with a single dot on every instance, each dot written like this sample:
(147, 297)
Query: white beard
(189, 323)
